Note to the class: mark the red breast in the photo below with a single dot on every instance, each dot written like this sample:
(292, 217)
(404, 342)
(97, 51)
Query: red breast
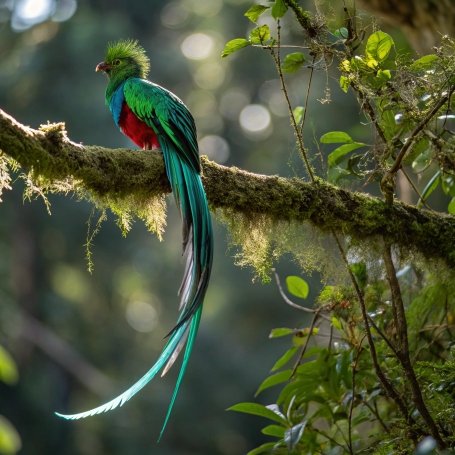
(137, 130)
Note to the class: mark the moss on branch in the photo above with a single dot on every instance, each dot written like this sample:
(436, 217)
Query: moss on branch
(114, 173)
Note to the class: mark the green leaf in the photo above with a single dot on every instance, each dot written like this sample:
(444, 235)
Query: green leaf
(359, 269)
(234, 45)
(422, 161)
(344, 83)
(432, 184)
(448, 184)
(294, 434)
(382, 76)
(335, 137)
(10, 441)
(421, 146)
(388, 123)
(297, 286)
(260, 35)
(284, 359)
(281, 332)
(336, 323)
(264, 448)
(363, 65)
(274, 379)
(425, 63)
(372, 63)
(341, 32)
(258, 410)
(8, 369)
(298, 113)
(274, 430)
(451, 206)
(378, 46)
(340, 152)
(293, 62)
(255, 11)
(279, 9)
(337, 173)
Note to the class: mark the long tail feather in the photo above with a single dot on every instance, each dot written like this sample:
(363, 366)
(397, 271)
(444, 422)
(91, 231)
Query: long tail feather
(194, 325)
(198, 247)
(138, 385)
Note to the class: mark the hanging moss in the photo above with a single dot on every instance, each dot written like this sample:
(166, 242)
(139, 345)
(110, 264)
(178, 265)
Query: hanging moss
(264, 213)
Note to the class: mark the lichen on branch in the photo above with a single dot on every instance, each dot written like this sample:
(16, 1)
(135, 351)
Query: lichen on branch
(127, 181)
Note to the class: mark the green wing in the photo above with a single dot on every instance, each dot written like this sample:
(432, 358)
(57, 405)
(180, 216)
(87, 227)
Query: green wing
(161, 110)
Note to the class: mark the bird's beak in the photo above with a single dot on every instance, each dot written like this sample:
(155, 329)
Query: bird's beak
(103, 66)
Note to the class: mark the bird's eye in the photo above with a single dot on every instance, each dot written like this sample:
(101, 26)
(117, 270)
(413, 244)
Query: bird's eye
(116, 62)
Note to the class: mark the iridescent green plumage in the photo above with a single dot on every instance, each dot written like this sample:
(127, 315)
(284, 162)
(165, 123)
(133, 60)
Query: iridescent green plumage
(152, 116)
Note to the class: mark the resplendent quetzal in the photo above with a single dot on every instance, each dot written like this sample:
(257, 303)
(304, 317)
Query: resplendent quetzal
(153, 117)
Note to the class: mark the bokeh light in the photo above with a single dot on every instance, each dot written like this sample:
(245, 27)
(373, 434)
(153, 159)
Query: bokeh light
(206, 8)
(64, 10)
(215, 147)
(255, 118)
(270, 92)
(70, 283)
(30, 12)
(210, 75)
(232, 102)
(173, 15)
(197, 46)
(141, 316)
(202, 103)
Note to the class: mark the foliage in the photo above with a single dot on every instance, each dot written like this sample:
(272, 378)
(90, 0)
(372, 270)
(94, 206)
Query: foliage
(329, 398)
(374, 371)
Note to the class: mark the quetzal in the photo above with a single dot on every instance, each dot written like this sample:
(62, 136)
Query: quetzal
(153, 117)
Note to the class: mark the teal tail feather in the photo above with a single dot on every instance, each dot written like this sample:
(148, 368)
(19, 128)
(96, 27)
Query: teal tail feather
(137, 386)
(190, 196)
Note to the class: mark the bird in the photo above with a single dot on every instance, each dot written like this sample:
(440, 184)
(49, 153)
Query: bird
(154, 118)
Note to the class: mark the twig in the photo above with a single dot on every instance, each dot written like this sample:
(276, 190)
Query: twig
(375, 412)
(304, 347)
(410, 141)
(289, 301)
(368, 108)
(303, 152)
(386, 384)
(304, 18)
(332, 440)
(382, 335)
(305, 108)
(424, 202)
(329, 349)
(281, 46)
(342, 435)
(351, 404)
(403, 348)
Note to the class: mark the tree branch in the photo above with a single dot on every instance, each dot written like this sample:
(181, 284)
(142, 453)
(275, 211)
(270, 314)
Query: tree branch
(117, 172)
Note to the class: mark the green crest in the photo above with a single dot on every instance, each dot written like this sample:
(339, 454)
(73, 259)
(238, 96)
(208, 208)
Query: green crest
(129, 49)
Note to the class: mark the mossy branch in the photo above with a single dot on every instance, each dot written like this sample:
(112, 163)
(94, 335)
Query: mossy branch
(49, 153)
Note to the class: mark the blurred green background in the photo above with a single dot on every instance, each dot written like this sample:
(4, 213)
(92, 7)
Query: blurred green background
(77, 338)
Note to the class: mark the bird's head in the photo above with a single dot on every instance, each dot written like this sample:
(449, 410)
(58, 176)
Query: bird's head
(125, 58)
